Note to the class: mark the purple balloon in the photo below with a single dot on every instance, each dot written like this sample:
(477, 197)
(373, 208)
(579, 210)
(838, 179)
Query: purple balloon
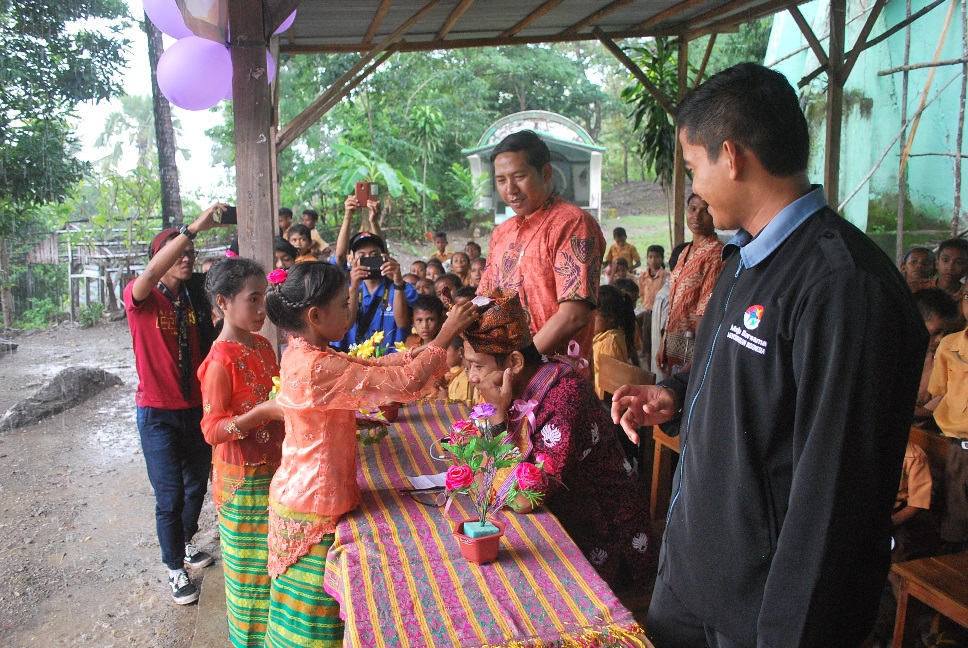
(195, 73)
(167, 17)
(286, 24)
(271, 73)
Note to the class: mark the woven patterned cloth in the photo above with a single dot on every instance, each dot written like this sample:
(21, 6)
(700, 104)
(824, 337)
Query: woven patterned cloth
(401, 581)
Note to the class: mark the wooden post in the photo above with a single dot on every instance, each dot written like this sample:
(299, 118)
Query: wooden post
(901, 181)
(835, 99)
(679, 171)
(254, 142)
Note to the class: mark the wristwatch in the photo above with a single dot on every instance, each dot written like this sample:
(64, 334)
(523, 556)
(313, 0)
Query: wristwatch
(184, 230)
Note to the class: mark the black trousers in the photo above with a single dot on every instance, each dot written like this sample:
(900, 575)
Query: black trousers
(671, 625)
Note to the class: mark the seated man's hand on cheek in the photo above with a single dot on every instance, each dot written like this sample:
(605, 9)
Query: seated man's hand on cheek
(495, 387)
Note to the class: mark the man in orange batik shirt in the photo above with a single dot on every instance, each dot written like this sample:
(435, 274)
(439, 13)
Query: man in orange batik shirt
(550, 252)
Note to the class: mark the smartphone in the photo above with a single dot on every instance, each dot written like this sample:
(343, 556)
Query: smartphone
(227, 216)
(374, 264)
(362, 193)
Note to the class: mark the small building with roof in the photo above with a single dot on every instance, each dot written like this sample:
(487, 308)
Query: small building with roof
(575, 159)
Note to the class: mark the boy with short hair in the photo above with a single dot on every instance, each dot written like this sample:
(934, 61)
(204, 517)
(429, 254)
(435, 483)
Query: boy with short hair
(446, 287)
(949, 380)
(472, 250)
(952, 265)
(620, 270)
(419, 268)
(456, 388)
(622, 249)
(320, 248)
(442, 254)
(428, 317)
(940, 316)
(435, 270)
(424, 287)
(285, 222)
(918, 268)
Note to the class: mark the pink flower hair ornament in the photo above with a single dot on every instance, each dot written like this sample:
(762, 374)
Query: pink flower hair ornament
(277, 277)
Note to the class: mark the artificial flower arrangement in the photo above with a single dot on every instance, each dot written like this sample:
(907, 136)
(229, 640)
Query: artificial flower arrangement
(373, 347)
(478, 456)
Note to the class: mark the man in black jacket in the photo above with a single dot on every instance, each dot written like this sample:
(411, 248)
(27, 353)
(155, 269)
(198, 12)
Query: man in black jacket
(794, 415)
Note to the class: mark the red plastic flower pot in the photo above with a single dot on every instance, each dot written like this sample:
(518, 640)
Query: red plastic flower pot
(391, 412)
(479, 550)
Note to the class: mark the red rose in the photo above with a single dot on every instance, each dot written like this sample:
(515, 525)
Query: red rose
(458, 477)
(528, 475)
(547, 463)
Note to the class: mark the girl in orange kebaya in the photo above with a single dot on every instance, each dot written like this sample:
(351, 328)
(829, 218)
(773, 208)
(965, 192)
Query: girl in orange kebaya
(245, 428)
(320, 392)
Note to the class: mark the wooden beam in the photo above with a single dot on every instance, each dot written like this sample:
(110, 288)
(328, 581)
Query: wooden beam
(671, 12)
(252, 113)
(636, 71)
(593, 18)
(920, 66)
(679, 169)
(325, 102)
(278, 11)
(734, 17)
(544, 8)
(311, 114)
(452, 19)
(705, 60)
(874, 41)
(835, 100)
(808, 34)
(862, 37)
(462, 43)
(378, 17)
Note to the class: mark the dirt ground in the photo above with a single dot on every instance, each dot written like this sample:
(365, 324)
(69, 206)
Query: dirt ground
(78, 552)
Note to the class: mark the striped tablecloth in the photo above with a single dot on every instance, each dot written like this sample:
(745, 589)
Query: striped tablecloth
(398, 574)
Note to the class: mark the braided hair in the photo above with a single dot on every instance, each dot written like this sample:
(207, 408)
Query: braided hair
(307, 284)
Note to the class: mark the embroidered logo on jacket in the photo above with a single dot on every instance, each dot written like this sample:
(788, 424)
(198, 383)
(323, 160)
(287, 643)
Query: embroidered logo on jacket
(752, 317)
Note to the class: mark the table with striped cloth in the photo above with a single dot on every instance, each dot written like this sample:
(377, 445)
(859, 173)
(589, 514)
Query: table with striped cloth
(398, 574)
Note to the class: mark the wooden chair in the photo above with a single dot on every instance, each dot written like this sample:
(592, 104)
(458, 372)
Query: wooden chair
(613, 373)
(935, 446)
(665, 445)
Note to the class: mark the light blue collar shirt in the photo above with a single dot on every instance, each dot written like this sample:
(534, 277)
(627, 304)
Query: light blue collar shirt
(753, 250)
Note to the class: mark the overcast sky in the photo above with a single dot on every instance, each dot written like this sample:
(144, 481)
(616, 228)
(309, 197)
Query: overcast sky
(197, 175)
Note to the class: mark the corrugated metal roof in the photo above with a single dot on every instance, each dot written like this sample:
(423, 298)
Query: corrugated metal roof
(357, 25)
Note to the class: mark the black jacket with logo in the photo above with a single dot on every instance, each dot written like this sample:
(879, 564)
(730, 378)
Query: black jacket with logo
(794, 423)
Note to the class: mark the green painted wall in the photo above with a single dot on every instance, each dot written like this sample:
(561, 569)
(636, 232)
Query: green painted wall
(872, 114)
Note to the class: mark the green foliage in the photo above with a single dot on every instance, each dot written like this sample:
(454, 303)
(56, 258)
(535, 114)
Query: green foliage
(415, 113)
(654, 126)
(466, 188)
(50, 62)
(90, 315)
(41, 313)
(746, 45)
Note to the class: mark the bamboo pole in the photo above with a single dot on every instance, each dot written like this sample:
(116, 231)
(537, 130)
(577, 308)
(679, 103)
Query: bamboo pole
(956, 216)
(927, 84)
(919, 66)
(901, 183)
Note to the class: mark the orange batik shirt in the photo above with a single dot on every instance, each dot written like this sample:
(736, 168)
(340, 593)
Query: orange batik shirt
(320, 393)
(235, 379)
(553, 255)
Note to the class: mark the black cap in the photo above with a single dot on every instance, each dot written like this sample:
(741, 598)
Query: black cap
(361, 238)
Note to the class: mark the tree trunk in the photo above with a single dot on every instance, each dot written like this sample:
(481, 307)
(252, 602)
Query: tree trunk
(171, 205)
(6, 295)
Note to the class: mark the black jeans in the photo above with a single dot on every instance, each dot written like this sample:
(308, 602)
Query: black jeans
(179, 461)
(671, 625)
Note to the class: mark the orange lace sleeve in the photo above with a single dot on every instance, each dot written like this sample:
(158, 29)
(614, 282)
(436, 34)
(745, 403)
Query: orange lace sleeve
(341, 382)
(218, 419)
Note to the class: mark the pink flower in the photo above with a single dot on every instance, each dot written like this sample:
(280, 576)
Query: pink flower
(547, 463)
(277, 276)
(230, 254)
(483, 411)
(458, 477)
(528, 475)
(461, 431)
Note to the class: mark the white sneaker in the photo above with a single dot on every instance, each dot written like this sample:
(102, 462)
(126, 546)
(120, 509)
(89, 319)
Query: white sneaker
(195, 557)
(183, 591)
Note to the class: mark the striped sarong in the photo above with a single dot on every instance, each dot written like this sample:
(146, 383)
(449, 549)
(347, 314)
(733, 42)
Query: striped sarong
(301, 613)
(243, 523)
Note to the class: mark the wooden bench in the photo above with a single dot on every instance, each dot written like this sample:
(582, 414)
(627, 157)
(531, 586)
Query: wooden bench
(940, 582)
(613, 373)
